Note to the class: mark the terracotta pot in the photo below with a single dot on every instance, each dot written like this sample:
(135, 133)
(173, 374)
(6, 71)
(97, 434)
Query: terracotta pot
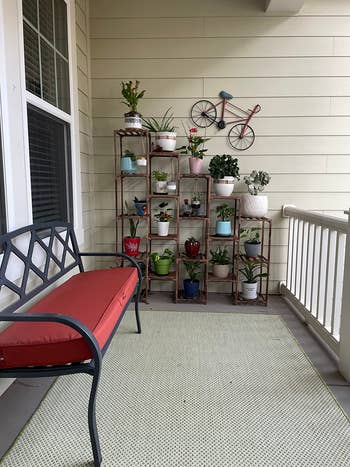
(195, 165)
(192, 248)
(131, 246)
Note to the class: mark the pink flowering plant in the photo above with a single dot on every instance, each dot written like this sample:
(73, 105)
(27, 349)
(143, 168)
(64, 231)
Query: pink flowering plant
(195, 146)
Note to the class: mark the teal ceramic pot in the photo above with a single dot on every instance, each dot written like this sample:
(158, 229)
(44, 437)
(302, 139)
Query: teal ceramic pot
(127, 165)
(223, 228)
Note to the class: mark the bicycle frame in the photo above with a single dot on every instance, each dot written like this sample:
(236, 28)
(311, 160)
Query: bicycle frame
(224, 108)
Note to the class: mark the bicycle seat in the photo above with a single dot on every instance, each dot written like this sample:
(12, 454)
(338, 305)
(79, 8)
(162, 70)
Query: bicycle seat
(225, 95)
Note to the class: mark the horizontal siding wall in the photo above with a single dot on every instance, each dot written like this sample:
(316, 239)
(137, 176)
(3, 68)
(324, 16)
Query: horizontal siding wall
(297, 68)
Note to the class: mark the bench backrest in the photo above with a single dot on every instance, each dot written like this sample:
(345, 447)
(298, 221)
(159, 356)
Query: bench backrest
(34, 257)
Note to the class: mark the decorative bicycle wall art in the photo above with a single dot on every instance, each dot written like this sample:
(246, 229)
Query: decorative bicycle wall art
(241, 136)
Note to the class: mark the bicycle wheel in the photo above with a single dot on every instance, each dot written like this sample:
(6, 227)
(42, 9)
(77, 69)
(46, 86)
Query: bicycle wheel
(203, 114)
(241, 143)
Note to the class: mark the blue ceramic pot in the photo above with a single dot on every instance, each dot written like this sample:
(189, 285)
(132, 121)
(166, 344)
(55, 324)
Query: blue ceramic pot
(191, 288)
(127, 165)
(223, 228)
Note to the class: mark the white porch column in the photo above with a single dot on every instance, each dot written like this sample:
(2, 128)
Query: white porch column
(344, 353)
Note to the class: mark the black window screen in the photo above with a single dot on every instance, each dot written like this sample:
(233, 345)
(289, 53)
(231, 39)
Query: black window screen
(2, 194)
(50, 167)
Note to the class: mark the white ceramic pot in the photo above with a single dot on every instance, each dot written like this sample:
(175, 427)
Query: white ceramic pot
(224, 186)
(254, 206)
(161, 188)
(133, 121)
(141, 162)
(249, 290)
(165, 141)
(221, 270)
(163, 229)
(171, 187)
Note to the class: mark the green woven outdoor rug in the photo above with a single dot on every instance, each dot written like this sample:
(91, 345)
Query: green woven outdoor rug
(195, 389)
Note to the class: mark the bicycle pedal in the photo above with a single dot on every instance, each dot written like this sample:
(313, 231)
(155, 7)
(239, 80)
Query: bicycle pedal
(221, 124)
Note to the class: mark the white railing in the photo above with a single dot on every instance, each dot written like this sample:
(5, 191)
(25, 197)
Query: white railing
(317, 280)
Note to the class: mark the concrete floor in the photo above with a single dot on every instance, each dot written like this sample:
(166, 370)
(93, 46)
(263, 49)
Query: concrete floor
(22, 398)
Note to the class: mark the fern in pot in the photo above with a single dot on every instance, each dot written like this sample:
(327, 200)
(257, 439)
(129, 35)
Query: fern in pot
(224, 170)
(252, 243)
(252, 271)
(253, 203)
(132, 95)
(164, 131)
(221, 262)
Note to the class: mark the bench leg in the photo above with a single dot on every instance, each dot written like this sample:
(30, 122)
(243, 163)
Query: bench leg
(95, 444)
(137, 316)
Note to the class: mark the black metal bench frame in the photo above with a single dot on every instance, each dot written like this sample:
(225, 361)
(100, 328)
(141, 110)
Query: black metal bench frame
(45, 235)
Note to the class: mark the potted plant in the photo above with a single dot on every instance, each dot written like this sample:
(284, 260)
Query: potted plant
(252, 244)
(253, 204)
(220, 261)
(191, 285)
(163, 262)
(141, 161)
(192, 247)
(127, 162)
(195, 149)
(161, 182)
(164, 131)
(252, 271)
(163, 217)
(132, 243)
(223, 224)
(132, 95)
(224, 170)
(141, 206)
(195, 204)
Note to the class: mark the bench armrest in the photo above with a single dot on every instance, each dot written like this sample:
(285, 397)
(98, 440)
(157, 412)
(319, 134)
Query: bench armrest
(77, 325)
(121, 255)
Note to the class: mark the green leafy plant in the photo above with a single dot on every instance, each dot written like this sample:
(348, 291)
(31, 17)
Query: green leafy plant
(220, 256)
(131, 94)
(193, 270)
(252, 235)
(257, 181)
(252, 271)
(224, 166)
(165, 123)
(167, 254)
(225, 212)
(160, 176)
(128, 153)
(133, 224)
(163, 213)
(193, 147)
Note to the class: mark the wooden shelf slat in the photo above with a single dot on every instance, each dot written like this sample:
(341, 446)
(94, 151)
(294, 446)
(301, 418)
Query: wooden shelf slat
(212, 278)
(169, 277)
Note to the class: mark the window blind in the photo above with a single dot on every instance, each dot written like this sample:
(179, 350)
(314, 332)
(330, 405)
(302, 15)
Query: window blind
(50, 167)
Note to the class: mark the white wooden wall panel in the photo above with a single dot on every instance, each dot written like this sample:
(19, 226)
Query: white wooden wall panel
(296, 67)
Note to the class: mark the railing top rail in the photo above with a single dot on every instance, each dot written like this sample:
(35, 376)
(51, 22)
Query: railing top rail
(329, 222)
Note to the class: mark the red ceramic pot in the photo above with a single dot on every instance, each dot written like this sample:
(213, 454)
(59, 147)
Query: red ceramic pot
(192, 247)
(131, 246)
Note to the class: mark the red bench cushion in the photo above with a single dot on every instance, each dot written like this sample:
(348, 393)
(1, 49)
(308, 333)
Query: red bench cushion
(96, 298)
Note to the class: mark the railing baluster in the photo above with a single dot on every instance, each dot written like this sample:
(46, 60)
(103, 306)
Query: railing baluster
(335, 280)
(319, 275)
(296, 258)
(301, 259)
(307, 262)
(313, 269)
(292, 256)
(326, 280)
(288, 251)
